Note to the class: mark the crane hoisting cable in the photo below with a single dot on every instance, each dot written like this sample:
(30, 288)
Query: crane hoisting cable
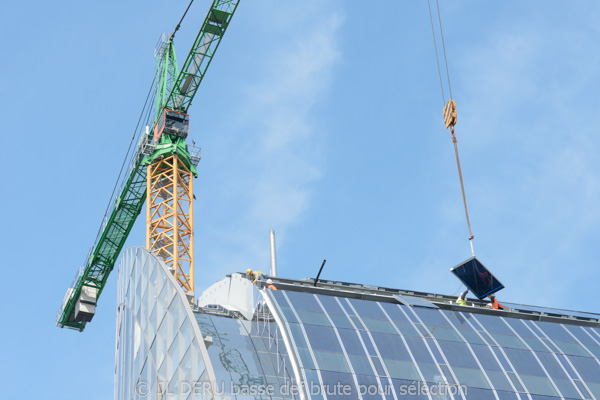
(450, 112)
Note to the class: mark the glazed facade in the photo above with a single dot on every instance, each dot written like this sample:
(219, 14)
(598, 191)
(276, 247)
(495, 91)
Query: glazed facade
(293, 343)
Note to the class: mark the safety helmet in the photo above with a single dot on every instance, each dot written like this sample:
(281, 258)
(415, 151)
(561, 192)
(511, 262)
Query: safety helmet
(249, 271)
(269, 281)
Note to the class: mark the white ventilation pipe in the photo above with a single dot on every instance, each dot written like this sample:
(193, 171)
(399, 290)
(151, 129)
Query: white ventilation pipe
(273, 257)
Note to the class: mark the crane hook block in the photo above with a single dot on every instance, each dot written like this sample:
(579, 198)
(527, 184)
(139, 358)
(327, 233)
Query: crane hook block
(450, 113)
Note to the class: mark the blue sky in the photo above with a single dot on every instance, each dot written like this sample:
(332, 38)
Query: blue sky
(319, 119)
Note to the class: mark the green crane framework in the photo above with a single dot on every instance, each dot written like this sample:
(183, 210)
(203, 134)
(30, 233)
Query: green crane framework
(161, 170)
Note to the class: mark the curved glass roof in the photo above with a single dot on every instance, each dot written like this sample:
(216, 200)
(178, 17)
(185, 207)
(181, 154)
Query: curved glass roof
(382, 350)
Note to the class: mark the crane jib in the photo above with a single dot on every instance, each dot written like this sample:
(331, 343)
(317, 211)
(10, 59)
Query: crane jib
(198, 60)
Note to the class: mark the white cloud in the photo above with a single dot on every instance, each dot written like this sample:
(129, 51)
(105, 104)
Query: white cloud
(277, 163)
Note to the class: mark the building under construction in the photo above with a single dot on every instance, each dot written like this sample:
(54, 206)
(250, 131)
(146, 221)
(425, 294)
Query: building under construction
(337, 340)
(294, 339)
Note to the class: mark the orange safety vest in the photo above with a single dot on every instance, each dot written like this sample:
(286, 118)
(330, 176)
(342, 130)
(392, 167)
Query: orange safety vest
(496, 305)
(271, 287)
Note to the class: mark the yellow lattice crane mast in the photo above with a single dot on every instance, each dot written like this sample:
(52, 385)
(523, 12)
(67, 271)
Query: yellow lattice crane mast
(170, 217)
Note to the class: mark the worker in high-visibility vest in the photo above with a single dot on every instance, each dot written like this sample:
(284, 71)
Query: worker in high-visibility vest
(462, 299)
(494, 303)
(270, 284)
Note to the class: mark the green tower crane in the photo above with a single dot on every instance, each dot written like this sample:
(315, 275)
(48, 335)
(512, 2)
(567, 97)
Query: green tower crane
(161, 171)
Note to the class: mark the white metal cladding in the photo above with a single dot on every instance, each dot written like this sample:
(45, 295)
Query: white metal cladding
(235, 293)
(160, 351)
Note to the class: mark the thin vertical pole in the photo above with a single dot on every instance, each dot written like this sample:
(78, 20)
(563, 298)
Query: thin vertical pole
(273, 255)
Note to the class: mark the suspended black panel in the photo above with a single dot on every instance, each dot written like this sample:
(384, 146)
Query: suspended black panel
(477, 278)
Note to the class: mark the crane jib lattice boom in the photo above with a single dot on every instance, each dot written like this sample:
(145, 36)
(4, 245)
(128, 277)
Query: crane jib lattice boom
(79, 303)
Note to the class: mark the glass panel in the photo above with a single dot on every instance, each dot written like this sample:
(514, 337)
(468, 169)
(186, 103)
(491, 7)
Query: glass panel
(535, 344)
(305, 358)
(562, 359)
(322, 338)
(330, 304)
(477, 277)
(360, 364)
(369, 388)
(551, 365)
(408, 390)
(311, 317)
(331, 361)
(414, 301)
(480, 394)
(499, 380)
(538, 385)
(572, 348)
(519, 326)
(407, 329)
(341, 321)
(470, 377)
(312, 382)
(357, 322)
(583, 390)
(524, 362)
(516, 382)
(431, 317)
(339, 386)
(594, 349)
(378, 366)
(581, 334)
(567, 388)
(594, 388)
(390, 346)
(368, 343)
(445, 334)
(509, 341)
(447, 374)
(506, 396)
(288, 314)
(554, 331)
(434, 349)
(430, 372)
(378, 325)
(457, 354)
(486, 357)
(401, 369)
(551, 345)
(459, 320)
(298, 335)
(418, 349)
(422, 330)
(351, 341)
(303, 301)
(588, 368)
(367, 308)
(493, 324)
(395, 312)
